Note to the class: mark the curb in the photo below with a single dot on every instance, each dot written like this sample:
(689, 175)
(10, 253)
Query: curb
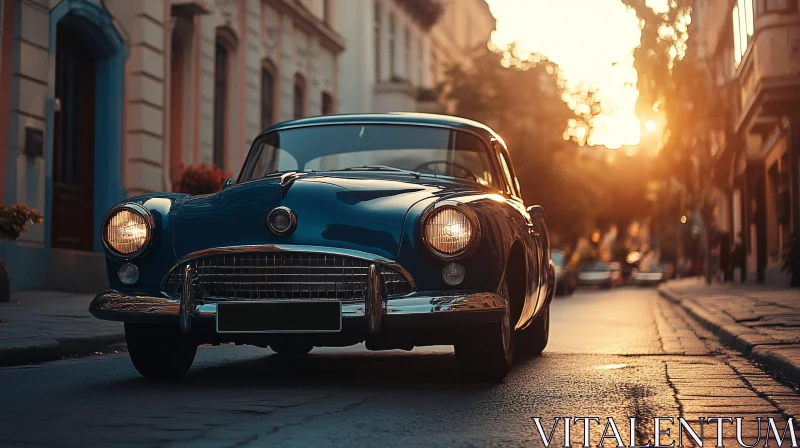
(56, 349)
(757, 347)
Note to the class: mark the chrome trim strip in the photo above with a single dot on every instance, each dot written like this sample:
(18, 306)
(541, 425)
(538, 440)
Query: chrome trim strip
(187, 299)
(374, 307)
(228, 250)
(148, 219)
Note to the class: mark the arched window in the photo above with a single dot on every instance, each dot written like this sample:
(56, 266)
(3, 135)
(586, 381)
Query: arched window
(223, 60)
(378, 40)
(392, 47)
(299, 96)
(269, 83)
(327, 103)
(180, 93)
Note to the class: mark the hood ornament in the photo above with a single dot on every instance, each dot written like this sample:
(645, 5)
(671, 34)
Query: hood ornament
(282, 221)
(287, 179)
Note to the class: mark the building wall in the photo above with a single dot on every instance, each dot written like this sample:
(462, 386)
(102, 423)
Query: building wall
(149, 135)
(754, 43)
(464, 26)
(370, 86)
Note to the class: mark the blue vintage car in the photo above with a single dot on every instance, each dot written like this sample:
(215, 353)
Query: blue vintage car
(397, 230)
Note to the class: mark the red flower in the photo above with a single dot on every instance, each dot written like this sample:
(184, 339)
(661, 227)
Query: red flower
(13, 221)
(200, 179)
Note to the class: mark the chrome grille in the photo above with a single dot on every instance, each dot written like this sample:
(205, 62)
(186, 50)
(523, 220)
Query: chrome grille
(284, 275)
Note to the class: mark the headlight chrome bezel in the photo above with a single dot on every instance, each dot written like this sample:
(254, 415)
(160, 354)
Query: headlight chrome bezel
(149, 222)
(475, 237)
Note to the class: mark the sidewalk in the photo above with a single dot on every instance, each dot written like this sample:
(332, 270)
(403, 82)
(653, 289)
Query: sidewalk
(760, 321)
(38, 326)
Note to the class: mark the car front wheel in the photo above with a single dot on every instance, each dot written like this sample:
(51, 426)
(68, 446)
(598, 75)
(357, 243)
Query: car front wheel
(487, 352)
(533, 340)
(158, 351)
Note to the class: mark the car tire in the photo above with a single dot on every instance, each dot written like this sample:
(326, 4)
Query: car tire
(158, 351)
(286, 347)
(487, 351)
(533, 340)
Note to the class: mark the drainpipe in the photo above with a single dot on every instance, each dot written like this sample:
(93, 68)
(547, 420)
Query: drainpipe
(167, 122)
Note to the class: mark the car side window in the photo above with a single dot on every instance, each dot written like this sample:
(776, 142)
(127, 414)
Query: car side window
(505, 166)
(514, 179)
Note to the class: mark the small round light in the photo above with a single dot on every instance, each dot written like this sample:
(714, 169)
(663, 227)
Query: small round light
(281, 221)
(128, 274)
(448, 231)
(453, 274)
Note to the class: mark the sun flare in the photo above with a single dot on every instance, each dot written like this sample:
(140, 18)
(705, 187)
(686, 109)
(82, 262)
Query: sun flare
(592, 41)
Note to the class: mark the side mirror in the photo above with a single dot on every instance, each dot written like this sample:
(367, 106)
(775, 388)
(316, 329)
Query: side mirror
(536, 211)
(227, 183)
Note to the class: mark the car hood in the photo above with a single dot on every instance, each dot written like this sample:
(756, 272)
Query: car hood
(349, 212)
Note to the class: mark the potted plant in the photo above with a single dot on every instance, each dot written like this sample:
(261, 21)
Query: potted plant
(791, 259)
(200, 179)
(13, 221)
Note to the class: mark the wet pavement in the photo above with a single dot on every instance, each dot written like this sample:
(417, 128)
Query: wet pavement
(621, 353)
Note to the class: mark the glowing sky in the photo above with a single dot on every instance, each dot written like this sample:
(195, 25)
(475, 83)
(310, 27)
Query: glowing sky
(592, 41)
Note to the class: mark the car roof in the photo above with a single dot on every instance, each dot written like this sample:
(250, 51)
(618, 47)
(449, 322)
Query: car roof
(410, 118)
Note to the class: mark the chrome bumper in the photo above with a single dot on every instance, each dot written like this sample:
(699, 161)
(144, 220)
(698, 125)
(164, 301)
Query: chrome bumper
(418, 309)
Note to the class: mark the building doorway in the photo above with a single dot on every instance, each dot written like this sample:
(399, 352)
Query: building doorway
(73, 143)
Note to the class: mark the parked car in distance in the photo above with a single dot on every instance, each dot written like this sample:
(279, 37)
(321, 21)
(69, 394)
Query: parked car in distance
(395, 230)
(649, 275)
(600, 273)
(566, 279)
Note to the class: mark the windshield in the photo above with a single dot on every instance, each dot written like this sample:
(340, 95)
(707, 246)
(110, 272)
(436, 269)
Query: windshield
(427, 150)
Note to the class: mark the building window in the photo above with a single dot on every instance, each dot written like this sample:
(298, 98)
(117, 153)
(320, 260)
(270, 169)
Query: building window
(378, 41)
(768, 6)
(419, 63)
(327, 103)
(268, 85)
(434, 68)
(742, 19)
(392, 43)
(407, 53)
(326, 11)
(299, 97)
(220, 102)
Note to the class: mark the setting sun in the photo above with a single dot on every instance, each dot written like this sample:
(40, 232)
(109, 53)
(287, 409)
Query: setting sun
(592, 42)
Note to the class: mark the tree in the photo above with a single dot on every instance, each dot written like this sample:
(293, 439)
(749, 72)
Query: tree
(525, 99)
(692, 97)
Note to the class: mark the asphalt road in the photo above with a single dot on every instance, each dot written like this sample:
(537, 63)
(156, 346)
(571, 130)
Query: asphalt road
(620, 354)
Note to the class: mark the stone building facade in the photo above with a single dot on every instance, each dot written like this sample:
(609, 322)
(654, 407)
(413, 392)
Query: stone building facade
(104, 99)
(754, 46)
(397, 50)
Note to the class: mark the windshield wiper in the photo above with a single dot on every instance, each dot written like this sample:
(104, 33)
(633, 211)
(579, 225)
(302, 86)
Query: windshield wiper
(380, 168)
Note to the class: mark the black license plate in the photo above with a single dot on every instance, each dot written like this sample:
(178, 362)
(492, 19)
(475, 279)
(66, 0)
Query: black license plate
(280, 317)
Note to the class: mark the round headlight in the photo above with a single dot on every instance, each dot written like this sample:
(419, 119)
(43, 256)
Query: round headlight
(127, 230)
(449, 231)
